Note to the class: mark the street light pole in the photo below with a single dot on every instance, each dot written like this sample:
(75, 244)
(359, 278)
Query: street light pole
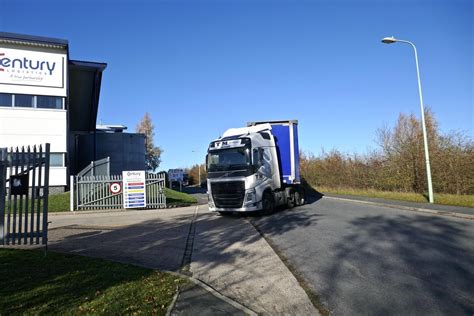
(390, 40)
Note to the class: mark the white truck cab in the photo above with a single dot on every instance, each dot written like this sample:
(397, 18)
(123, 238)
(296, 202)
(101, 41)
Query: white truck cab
(247, 168)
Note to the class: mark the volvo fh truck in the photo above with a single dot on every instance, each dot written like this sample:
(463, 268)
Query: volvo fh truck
(255, 168)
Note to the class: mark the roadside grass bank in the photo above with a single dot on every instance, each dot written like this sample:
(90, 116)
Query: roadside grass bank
(63, 284)
(60, 202)
(179, 198)
(439, 198)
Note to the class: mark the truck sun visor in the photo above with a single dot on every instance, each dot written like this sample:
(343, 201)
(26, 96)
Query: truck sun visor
(230, 143)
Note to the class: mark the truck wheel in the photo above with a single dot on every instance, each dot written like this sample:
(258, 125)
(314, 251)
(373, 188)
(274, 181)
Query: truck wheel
(291, 200)
(297, 198)
(268, 203)
(300, 198)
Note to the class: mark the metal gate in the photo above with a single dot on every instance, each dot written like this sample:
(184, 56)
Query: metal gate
(24, 190)
(98, 192)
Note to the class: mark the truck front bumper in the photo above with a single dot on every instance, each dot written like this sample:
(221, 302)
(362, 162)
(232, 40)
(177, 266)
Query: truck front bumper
(249, 207)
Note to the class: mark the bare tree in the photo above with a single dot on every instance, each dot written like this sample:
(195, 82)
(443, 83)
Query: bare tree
(398, 164)
(153, 154)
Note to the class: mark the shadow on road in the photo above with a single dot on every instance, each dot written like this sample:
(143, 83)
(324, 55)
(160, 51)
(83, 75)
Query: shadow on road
(160, 243)
(227, 251)
(419, 262)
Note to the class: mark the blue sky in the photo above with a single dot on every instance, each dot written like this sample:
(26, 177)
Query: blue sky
(200, 67)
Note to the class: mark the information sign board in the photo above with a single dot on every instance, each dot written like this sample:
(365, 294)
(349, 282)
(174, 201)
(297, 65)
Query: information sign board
(134, 189)
(175, 175)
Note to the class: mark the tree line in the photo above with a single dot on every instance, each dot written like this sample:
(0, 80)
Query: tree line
(398, 163)
(193, 174)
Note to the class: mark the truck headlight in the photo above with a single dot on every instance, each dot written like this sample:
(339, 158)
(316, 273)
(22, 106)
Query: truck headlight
(250, 196)
(210, 202)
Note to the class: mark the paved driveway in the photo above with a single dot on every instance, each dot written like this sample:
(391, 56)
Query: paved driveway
(372, 260)
(151, 238)
(224, 252)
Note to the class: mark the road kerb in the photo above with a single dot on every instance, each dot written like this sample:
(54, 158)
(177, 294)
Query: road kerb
(406, 208)
(214, 292)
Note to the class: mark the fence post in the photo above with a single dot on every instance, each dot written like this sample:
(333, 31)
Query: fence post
(46, 194)
(3, 183)
(71, 194)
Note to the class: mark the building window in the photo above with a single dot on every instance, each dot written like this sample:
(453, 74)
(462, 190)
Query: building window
(24, 100)
(45, 102)
(56, 160)
(31, 101)
(5, 99)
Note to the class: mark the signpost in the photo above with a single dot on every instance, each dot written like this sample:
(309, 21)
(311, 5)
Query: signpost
(176, 175)
(134, 189)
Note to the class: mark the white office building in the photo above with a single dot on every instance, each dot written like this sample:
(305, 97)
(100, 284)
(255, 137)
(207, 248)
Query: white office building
(45, 97)
(40, 89)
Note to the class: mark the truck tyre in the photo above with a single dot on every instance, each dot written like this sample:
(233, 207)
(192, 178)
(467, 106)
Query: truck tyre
(300, 197)
(268, 203)
(291, 199)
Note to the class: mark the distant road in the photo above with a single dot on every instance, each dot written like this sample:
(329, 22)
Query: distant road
(373, 260)
(199, 193)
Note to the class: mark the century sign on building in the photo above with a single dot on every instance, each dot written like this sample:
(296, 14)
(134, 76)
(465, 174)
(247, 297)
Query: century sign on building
(43, 72)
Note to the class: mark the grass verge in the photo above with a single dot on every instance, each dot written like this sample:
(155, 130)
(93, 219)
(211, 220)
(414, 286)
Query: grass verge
(59, 284)
(178, 198)
(58, 202)
(440, 198)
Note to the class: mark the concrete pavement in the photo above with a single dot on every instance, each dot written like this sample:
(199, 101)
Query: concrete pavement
(231, 256)
(226, 253)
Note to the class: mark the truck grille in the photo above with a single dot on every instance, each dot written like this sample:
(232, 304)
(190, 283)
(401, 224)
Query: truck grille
(228, 194)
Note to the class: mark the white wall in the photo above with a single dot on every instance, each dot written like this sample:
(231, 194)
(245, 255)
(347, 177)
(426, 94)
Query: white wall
(57, 176)
(26, 126)
(23, 127)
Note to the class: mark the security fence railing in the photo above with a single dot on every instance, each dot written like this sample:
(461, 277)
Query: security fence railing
(106, 192)
(24, 190)
(95, 168)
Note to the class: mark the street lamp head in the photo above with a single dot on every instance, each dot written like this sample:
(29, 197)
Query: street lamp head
(388, 40)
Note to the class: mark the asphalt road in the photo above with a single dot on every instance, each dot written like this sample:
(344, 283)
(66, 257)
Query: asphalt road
(372, 260)
(199, 193)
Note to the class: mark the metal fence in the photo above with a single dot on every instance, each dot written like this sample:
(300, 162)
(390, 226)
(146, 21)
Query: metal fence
(98, 193)
(24, 202)
(99, 167)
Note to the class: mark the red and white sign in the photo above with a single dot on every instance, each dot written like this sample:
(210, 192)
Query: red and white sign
(115, 188)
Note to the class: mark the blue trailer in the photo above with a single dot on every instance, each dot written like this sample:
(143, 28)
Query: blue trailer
(286, 141)
(255, 168)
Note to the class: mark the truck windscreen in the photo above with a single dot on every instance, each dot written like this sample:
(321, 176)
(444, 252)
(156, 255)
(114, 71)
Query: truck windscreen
(229, 159)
